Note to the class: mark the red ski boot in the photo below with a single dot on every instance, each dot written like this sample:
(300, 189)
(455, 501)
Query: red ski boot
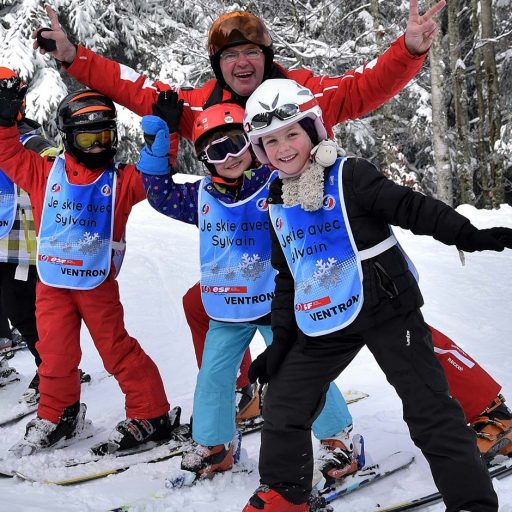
(268, 500)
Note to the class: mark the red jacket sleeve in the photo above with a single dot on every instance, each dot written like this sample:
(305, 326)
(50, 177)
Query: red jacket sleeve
(364, 89)
(130, 89)
(24, 167)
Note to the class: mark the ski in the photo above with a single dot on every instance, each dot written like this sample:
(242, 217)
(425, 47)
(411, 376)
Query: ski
(367, 475)
(16, 413)
(108, 465)
(497, 471)
(8, 353)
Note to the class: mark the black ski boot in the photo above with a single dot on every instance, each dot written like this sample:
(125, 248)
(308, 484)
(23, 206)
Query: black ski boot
(31, 395)
(41, 433)
(131, 433)
(7, 373)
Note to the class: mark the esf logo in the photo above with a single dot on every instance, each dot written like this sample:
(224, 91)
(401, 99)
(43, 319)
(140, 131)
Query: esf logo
(56, 187)
(106, 190)
(279, 223)
(262, 204)
(205, 209)
(329, 202)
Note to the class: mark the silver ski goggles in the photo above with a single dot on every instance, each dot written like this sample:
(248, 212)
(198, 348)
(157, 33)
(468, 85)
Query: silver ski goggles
(218, 151)
(283, 113)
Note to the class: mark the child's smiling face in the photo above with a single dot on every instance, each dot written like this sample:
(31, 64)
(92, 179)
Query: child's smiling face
(288, 149)
(235, 166)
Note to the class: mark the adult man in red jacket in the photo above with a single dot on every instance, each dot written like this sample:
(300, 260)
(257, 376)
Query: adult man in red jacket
(241, 55)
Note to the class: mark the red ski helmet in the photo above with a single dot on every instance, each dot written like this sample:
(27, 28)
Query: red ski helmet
(215, 118)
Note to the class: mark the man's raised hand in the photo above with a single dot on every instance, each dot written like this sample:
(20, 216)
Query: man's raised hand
(64, 50)
(421, 30)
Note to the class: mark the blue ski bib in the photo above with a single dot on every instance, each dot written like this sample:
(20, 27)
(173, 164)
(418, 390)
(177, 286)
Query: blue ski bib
(75, 238)
(323, 259)
(237, 279)
(8, 198)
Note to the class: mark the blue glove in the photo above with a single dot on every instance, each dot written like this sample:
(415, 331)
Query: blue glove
(154, 157)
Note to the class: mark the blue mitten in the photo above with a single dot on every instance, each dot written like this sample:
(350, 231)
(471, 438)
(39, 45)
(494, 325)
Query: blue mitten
(154, 157)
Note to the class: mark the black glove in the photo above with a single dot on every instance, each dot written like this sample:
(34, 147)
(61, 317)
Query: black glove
(492, 239)
(169, 108)
(46, 44)
(12, 94)
(268, 362)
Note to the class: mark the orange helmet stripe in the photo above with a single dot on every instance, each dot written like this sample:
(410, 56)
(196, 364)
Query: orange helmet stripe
(90, 109)
(86, 94)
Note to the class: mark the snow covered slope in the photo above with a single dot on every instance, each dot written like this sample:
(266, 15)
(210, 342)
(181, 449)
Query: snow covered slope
(470, 303)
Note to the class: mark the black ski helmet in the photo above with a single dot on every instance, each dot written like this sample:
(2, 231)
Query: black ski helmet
(87, 110)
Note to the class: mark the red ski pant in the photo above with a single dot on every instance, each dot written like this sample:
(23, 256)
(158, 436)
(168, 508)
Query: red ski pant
(469, 383)
(199, 322)
(59, 314)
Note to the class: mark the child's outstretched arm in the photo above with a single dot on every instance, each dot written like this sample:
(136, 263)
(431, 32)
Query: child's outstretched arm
(423, 215)
(178, 201)
(18, 163)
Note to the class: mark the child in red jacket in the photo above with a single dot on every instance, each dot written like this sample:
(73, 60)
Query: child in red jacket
(81, 202)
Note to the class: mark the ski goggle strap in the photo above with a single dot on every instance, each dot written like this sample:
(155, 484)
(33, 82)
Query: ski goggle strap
(218, 151)
(87, 139)
(284, 112)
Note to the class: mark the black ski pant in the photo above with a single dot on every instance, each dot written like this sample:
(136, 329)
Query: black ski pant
(403, 349)
(19, 303)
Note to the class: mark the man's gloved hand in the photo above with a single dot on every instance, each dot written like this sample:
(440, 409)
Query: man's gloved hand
(154, 157)
(492, 239)
(268, 362)
(169, 108)
(12, 94)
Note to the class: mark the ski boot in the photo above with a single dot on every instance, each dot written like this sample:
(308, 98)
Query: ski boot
(131, 433)
(31, 395)
(84, 377)
(205, 461)
(7, 373)
(494, 430)
(41, 433)
(339, 456)
(248, 410)
(268, 500)
(18, 340)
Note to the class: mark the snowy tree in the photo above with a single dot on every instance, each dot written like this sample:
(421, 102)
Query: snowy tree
(166, 40)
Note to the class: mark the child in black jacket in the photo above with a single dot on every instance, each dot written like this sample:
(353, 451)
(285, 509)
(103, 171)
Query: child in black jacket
(343, 282)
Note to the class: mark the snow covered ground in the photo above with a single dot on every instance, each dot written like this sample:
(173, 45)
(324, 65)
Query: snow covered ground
(470, 303)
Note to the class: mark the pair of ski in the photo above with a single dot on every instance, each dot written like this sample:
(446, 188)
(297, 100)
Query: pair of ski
(93, 467)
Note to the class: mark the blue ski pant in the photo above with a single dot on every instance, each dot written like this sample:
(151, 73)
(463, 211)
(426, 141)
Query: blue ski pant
(214, 398)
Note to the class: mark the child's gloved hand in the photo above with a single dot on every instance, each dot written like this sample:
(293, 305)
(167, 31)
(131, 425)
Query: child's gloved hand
(492, 239)
(154, 157)
(12, 94)
(169, 108)
(268, 362)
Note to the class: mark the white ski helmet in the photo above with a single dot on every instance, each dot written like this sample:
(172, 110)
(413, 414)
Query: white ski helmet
(277, 103)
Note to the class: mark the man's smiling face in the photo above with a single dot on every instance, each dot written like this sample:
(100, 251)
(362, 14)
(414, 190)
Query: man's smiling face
(243, 74)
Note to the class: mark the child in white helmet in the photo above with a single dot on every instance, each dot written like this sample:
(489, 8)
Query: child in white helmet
(237, 280)
(343, 282)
